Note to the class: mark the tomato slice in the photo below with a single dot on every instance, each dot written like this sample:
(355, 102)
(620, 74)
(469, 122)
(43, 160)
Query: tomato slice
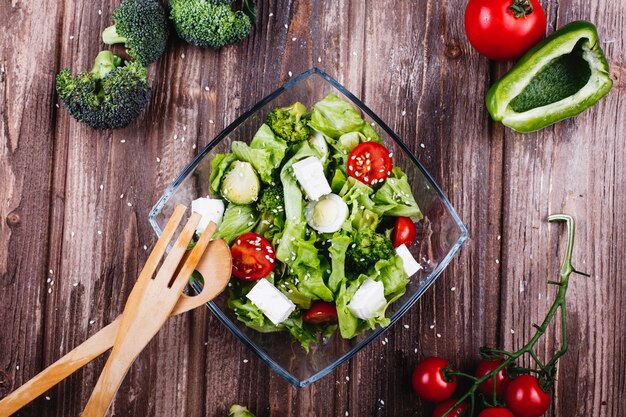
(321, 312)
(253, 257)
(404, 232)
(370, 163)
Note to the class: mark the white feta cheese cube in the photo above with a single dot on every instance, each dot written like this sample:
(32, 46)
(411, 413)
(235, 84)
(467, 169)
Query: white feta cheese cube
(211, 210)
(310, 174)
(408, 261)
(368, 299)
(273, 303)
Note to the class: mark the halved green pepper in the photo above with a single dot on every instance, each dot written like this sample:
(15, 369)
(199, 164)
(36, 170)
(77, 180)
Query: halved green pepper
(558, 78)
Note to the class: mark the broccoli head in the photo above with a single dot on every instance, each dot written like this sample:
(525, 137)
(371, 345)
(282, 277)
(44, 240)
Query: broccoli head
(110, 96)
(368, 248)
(209, 23)
(142, 26)
(290, 123)
(271, 205)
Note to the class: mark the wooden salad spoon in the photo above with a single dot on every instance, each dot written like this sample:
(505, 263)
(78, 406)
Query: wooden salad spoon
(215, 268)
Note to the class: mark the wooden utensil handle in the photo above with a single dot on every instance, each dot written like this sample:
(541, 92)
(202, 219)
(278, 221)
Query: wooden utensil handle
(61, 369)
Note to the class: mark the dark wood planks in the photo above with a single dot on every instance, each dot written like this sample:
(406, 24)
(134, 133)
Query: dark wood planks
(411, 65)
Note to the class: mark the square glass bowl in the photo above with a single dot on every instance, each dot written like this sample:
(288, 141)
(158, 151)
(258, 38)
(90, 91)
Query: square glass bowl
(440, 234)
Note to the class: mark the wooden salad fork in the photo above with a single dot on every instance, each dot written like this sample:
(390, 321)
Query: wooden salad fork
(214, 266)
(149, 304)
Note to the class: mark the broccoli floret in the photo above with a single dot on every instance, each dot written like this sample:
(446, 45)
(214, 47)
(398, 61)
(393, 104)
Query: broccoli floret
(209, 23)
(238, 411)
(368, 248)
(110, 96)
(271, 205)
(290, 123)
(142, 26)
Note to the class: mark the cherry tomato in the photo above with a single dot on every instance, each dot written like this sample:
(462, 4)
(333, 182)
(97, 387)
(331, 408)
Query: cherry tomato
(485, 366)
(525, 398)
(370, 163)
(321, 312)
(494, 30)
(253, 257)
(404, 232)
(495, 412)
(429, 382)
(458, 411)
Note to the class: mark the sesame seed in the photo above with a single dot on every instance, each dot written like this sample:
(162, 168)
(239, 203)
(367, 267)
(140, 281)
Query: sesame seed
(129, 204)
(403, 112)
(294, 39)
(453, 289)
(286, 26)
(158, 159)
(319, 59)
(123, 141)
(438, 334)
(182, 55)
(71, 37)
(92, 321)
(145, 247)
(211, 121)
(48, 398)
(512, 331)
(206, 88)
(271, 14)
(122, 195)
(101, 187)
(245, 361)
(290, 73)
(99, 13)
(422, 145)
(406, 326)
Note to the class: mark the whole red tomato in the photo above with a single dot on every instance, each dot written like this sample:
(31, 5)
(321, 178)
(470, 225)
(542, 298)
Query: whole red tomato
(495, 412)
(484, 367)
(458, 411)
(525, 398)
(404, 233)
(429, 382)
(504, 29)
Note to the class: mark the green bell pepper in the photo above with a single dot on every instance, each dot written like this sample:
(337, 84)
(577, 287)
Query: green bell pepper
(558, 78)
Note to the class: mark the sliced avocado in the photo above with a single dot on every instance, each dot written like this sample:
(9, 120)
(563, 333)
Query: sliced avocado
(241, 183)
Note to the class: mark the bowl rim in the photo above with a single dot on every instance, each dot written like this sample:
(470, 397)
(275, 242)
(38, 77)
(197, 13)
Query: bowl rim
(455, 248)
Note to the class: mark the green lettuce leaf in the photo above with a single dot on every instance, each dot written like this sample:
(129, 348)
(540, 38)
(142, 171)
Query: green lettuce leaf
(337, 250)
(334, 117)
(238, 219)
(305, 263)
(219, 166)
(265, 152)
(395, 197)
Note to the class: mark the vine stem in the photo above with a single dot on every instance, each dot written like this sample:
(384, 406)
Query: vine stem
(548, 370)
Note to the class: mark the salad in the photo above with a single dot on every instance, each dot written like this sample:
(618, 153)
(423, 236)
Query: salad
(319, 221)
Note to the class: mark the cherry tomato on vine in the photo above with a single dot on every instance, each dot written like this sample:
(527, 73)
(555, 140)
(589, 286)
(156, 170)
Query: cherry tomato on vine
(253, 257)
(370, 163)
(495, 412)
(429, 382)
(484, 367)
(504, 29)
(404, 232)
(525, 398)
(321, 312)
(458, 411)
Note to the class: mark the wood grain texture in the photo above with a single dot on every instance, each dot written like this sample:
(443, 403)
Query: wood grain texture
(82, 213)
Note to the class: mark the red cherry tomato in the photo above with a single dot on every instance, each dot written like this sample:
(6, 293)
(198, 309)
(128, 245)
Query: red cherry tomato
(429, 382)
(321, 312)
(404, 232)
(525, 398)
(253, 257)
(485, 366)
(494, 30)
(370, 163)
(495, 412)
(458, 411)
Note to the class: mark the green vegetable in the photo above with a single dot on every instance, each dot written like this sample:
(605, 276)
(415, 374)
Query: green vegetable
(395, 197)
(271, 205)
(209, 23)
(560, 77)
(238, 219)
(290, 123)
(334, 117)
(240, 184)
(368, 248)
(219, 166)
(239, 411)
(110, 96)
(265, 153)
(305, 263)
(142, 26)
(337, 251)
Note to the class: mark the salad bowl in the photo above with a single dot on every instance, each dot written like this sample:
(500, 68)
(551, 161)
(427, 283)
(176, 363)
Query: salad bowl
(440, 234)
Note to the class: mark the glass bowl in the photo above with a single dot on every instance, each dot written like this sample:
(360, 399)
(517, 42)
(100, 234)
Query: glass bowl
(440, 234)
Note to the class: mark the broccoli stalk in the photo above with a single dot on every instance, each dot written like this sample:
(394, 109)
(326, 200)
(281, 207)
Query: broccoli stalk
(142, 26)
(271, 205)
(368, 248)
(209, 23)
(110, 96)
(290, 123)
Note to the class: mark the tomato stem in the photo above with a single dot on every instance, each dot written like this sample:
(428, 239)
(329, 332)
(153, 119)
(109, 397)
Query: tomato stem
(546, 372)
(521, 8)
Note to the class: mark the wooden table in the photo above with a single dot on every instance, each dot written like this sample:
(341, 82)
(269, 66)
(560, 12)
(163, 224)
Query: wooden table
(74, 204)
